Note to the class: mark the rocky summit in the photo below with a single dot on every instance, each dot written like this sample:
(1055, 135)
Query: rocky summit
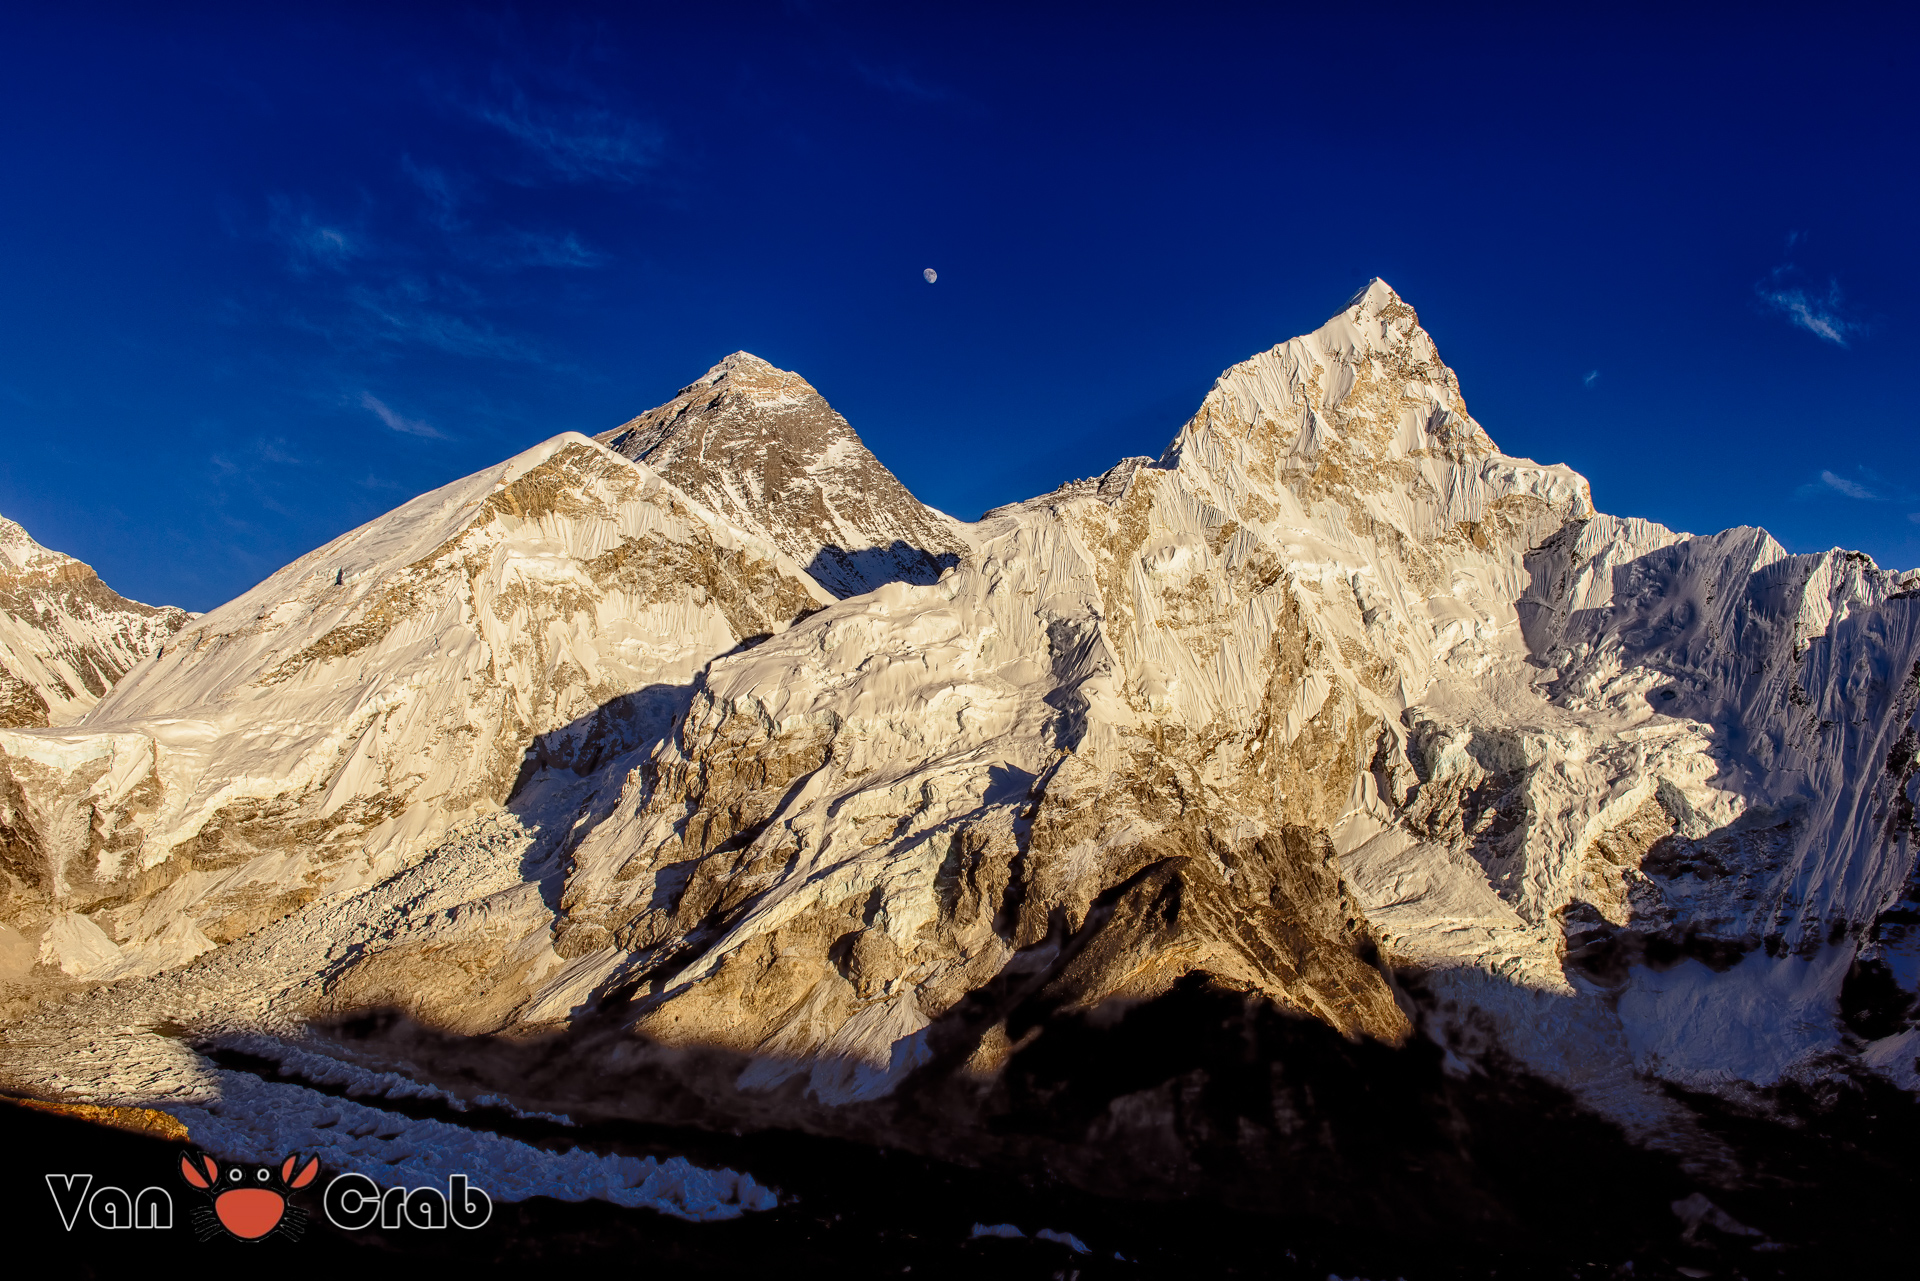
(765, 450)
(1218, 827)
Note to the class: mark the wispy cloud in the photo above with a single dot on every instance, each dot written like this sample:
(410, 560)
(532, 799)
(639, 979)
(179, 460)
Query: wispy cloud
(1914, 517)
(1591, 380)
(580, 143)
(311, 244)
(399, 314)
(445, 192)
(537, 249)
(1851, 488)
(1784, 293)
(1862, 484)
(902, 83)
(514, 249)
(1818, 316)
(406, 426)
(252, 467)
(448, 198)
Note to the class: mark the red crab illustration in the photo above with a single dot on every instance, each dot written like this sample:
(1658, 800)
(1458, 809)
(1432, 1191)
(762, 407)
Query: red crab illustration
(249, 1201)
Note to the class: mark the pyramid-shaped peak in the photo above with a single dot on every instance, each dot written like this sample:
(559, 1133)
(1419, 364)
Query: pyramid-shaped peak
(746, 374)
(1379, 313)
(759, 445)
(1376, 297)
(1370, 376)
(1375, 320)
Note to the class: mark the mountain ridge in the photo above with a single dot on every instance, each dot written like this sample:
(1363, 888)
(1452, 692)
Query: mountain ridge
(1334, 710)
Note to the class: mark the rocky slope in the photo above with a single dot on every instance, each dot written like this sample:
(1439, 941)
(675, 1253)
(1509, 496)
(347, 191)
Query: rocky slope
(765, 450)
(1333, 722)
(65, 636)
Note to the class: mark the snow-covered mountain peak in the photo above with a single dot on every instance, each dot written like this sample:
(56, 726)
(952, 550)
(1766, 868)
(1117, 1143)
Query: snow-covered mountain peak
(1361, 419)
(762, 447)
(1371, 364)
(65, 636)
(1333, 694)
(24, 561)
(325, 727)
(19, 549)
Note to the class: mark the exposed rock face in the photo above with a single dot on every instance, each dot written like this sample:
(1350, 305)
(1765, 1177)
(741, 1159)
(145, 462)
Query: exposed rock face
(65, 636)
(1331, 704)
(762, 448)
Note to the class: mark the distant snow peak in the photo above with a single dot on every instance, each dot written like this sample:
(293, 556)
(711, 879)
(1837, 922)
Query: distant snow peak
(65, 636)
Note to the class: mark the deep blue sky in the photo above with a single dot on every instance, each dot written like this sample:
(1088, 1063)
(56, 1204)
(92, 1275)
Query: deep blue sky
(267, 271)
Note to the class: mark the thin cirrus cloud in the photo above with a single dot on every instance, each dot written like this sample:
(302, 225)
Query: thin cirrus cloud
(397, 315)
(580, 144)
(902, 83)
(1591, 379)
(448, 196)
(1819, 314)
(510, 250)
(1851, 488)
(311, 244)
(445, 193)
(1871, 487)
(406, 426)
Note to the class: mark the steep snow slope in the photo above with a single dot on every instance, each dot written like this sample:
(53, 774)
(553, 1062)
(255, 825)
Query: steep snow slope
(322, 730)
(65, 636)
(762, 448)
(1696, 781)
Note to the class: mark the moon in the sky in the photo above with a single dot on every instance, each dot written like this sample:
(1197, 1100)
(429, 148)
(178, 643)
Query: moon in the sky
(931, 275)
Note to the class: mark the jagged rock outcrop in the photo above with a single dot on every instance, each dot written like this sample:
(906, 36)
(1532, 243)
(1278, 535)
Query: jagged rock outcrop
(761, 447)
(65, 636)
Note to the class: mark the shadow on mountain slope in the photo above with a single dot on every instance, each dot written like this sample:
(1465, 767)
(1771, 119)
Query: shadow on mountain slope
(549, 792)
(853, 573)
(1804, 671)
(1227, 1114)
